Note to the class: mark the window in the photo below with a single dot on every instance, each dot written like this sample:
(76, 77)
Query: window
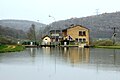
(80, 33)
(76, 39)
(84, 33)
(84, 40)
(80, 40)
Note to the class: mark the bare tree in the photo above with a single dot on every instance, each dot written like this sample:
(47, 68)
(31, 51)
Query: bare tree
(31, 34)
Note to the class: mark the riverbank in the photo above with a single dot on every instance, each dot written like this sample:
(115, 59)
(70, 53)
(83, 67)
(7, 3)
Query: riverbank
(11, 48)
(108, 47)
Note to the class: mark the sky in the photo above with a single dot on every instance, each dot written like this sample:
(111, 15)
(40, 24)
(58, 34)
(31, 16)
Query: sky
(39, 10)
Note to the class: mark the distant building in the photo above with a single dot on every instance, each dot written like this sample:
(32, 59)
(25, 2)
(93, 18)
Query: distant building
(55, 35)
(46, 40)
(77, 33)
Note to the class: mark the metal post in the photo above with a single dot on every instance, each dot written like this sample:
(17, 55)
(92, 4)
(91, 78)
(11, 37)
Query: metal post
(114, 34)
(55, 29)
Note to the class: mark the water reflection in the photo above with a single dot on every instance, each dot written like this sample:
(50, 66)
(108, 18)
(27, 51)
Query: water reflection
(93, 58)
(33, 52)
(46, 50)
(58, 63)
(76, 55)
(67, 55)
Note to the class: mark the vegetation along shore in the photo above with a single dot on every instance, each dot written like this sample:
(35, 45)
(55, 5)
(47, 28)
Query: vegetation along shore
(10, 48)
(108, 47)
(106, 44)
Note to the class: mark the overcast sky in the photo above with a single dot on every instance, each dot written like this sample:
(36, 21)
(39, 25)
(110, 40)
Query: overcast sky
(60, 9)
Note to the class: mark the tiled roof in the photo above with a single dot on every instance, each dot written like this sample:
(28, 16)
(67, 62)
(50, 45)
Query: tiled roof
(72, 26)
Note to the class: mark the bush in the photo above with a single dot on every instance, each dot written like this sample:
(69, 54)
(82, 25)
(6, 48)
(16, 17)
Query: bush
(103, 43)
(11, 48)
(72, 43)
(4, 40)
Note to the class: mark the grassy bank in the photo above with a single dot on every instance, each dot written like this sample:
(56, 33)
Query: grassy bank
(108, 47)
(10, 48)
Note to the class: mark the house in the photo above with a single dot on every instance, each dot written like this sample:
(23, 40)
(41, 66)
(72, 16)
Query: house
(56, 35)
(28, 43)
(79, 34)
(46, 40)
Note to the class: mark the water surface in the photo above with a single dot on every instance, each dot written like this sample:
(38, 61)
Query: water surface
(61, 64)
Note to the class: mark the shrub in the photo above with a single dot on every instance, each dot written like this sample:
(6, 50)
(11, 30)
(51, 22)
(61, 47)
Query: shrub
(4, 40)
(103, 43)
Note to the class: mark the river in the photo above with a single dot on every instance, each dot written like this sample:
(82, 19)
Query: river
(61, 64)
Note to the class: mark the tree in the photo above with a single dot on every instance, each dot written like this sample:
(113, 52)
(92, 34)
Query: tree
(31, 34)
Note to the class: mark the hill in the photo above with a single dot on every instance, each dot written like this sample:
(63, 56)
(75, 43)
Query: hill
(11, 32)
(100, 25)
(21, 24)
(18, 29)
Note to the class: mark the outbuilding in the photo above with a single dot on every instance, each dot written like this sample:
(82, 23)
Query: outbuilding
(46, 40)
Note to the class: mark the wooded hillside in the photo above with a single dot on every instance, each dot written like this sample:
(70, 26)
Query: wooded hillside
(100, 25)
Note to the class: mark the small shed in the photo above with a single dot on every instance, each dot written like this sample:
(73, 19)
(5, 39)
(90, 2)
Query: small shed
(46, 40)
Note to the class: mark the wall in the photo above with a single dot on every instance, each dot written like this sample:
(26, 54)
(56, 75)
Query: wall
(74, 33)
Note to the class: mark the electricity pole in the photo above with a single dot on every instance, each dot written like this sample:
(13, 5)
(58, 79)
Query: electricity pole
(54, 30)
(114, 34)
(97, 11)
